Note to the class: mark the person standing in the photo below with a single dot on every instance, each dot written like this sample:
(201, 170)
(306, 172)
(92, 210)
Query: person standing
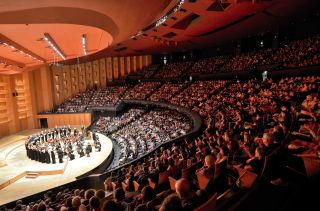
(53, 157)
(60, 155)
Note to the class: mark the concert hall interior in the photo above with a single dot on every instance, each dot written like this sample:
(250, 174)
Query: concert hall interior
(159, 105)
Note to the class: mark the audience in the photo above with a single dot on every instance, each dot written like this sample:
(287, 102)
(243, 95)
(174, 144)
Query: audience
(244, 123)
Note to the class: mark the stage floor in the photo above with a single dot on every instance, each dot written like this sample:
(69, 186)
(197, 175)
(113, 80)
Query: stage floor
(15, 161)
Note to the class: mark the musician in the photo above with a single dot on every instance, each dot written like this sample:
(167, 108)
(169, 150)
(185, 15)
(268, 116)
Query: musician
(60, 155)
(47, 156)
(98, 145)
(53, 157)
(71, 155)
(88, 150)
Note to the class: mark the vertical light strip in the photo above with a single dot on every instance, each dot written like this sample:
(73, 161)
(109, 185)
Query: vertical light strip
(84, 44)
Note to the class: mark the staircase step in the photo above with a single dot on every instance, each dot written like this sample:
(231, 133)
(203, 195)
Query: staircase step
(32, 175)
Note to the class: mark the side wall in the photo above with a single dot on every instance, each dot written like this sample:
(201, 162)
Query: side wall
(24, 95)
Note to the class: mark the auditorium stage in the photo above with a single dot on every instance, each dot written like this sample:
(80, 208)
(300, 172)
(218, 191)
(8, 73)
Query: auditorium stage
(14, 164)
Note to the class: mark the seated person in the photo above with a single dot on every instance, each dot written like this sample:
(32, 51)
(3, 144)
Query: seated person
(255, 163)
(189, 199)
(119, 198)
(171, 202)
(147, 194)
(208, 168)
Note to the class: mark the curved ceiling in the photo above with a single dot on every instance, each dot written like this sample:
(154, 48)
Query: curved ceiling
(24, 22)
(111, 24)
(31, 35)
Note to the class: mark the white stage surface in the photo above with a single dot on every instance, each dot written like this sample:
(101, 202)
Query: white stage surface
(14, 162)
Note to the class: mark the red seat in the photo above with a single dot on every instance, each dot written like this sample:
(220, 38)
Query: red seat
(202, 180)
(172, 182)
(210, 205)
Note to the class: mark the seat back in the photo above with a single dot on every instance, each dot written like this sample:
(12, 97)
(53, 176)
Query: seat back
(114, 186)
(188, 172)
(124, 186)
(172, 182)
(312, 166)
(136, 186)
(202, 180)
(152, 184)
(246, 178)
(209, 205)
(163, 177)
(220, 168)
(157, 200)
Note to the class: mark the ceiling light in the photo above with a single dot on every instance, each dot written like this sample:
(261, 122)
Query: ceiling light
(20, 51)
(84, 44)
(54, 45)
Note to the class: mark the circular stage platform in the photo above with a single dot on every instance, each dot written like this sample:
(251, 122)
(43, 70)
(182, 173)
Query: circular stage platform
(21, 176)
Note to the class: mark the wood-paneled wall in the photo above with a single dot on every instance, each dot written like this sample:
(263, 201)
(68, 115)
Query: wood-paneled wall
(66, 119)
(70, 80)
(18, 102)
(46, 86)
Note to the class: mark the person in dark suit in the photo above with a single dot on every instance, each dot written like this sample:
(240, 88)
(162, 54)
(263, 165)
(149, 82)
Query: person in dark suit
(53, 157)
(98, 146)
(71, 155)
(88, 150)
(42, 156)
(95, 136)
(60, 155)
(47, 157)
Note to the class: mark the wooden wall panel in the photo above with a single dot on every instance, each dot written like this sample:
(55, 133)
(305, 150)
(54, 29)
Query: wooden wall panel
(146, 60)
(66, 82)
(57, 85)
(7, 115)
(43, 88)
(89, 77)
(121, 67)
(67, 119)
(32, 121)
(134, 64)
(82, 78)
(149, 60)
(23, 100)
(103, 72)
(139, 62)
(74, 74)
(4, 129)
(115, 68)
(127, 65)
(96, 73)
(109, 68)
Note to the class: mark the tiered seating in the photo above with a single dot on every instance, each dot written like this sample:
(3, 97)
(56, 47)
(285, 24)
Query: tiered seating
(299, 53)
(107, 125)
(141, 91)
(208, 65)
(242, 140)
(107, 96)
(166, 91)
(78, 103)
(149, 131)
(150, 70)
(173, 70)
(198, 96)
(253, 131)
(247, 61)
